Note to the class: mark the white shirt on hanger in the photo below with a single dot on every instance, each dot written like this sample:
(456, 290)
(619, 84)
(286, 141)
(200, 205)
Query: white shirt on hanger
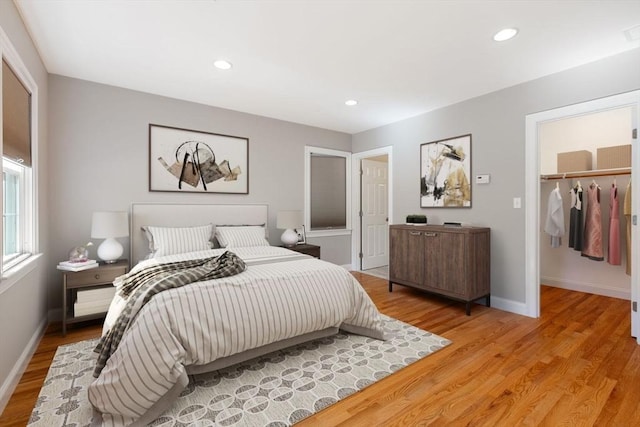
(554, 225)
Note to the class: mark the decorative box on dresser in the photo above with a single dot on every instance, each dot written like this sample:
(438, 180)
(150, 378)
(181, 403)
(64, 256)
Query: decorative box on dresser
(454, 262)
(94, 278)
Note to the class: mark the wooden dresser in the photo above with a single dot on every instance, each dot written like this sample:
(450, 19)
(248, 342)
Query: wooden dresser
(454, 262)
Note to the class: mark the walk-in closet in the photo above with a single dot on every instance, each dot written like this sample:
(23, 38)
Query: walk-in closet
(588, 252)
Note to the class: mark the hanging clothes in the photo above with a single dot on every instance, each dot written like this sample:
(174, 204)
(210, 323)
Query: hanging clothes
(627, 214)
(575, 218)
(592, 247)
(554, 225)
(613, 250)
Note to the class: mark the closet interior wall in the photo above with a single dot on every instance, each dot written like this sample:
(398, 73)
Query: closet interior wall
(564, 267)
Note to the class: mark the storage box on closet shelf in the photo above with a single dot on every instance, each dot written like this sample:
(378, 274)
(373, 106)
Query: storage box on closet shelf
(615, 157)
(574, 161)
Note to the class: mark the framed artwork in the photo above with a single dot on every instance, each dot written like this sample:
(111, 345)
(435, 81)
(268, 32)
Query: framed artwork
(184, 160)
(302, 236)
(445, 173)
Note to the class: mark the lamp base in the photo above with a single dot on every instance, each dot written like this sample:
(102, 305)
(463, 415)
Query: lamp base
(110, 250)
(289, 237)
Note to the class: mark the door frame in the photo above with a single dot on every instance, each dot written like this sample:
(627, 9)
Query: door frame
(532, 195)
(356, 191)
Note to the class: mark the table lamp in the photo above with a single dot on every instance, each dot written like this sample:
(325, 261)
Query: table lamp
(288, 221)
(109, 226)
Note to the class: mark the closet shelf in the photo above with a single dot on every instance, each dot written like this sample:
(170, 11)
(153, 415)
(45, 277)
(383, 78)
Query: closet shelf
(587, 174)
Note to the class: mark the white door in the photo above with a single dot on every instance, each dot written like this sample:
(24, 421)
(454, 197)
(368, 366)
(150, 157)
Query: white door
(375, 214)
(635, 230)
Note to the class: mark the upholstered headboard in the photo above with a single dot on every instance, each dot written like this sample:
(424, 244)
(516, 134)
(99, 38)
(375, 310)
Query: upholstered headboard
(182, 215)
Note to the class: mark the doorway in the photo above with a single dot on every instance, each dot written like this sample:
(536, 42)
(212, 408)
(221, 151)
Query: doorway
(372, 193)
(532, 195)
(585, 170)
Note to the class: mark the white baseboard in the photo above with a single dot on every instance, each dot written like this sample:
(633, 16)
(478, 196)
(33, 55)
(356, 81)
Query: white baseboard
(14, 376)
(510, 306)
(590, 288)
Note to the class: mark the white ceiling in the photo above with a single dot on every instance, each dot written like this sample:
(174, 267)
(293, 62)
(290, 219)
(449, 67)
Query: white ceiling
(300, 60)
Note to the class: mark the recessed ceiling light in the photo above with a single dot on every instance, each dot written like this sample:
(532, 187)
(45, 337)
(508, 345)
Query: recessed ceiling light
(351, 102)
(506, 34)
(632, 34)
(222, 64)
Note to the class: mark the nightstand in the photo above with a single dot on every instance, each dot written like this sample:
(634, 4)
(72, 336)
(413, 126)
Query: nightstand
(94, 278)
(305, 248)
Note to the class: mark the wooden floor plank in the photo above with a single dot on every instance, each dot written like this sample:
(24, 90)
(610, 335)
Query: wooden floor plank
(575, 365)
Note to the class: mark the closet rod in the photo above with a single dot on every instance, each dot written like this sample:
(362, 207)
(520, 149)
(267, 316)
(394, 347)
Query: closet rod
(587, 174)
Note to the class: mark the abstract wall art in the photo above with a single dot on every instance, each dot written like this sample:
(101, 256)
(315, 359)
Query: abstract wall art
(186, 160)
(445, 173)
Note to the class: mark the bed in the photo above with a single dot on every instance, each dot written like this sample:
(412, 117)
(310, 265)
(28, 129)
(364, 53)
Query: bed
(280, 299)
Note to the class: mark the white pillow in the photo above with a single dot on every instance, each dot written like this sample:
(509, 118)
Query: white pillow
(177, 240)
(241, 236)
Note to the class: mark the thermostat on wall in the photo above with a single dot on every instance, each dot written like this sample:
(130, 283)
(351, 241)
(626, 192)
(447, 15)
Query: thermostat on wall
(483, 179)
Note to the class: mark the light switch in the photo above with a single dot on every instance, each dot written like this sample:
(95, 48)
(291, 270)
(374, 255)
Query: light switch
(517, 203)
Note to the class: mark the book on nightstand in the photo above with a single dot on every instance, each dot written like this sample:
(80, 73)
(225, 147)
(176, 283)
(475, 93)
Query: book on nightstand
(77, 266)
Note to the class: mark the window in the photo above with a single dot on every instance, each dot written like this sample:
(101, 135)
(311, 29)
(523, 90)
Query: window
(327, 191)
(12, 177)
(17, 97)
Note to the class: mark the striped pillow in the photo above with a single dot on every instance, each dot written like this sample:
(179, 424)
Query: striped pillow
(177, 240)
(243, 236)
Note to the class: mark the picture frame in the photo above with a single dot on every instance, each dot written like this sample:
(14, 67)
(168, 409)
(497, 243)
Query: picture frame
(302, 236)
(191, 161)
(445, 173)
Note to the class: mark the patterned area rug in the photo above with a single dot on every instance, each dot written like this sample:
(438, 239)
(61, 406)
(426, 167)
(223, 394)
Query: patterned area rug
(278, 389)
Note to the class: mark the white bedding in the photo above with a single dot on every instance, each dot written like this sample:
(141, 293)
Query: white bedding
(250, 255)
(280, 295)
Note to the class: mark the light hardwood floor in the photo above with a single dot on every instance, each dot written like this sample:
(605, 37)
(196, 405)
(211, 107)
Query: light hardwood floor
(576, 365)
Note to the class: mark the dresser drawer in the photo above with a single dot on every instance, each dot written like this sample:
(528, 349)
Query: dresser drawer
(94, 276)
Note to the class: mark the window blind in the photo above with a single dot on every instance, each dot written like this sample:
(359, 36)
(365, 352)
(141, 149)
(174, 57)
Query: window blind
(16, 118)
(328, 192)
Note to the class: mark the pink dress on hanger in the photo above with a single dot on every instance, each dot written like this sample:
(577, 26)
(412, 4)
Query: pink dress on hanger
(592, 244)
(614, 227)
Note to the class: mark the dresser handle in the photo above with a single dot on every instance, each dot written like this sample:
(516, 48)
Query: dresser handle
(431, 234)
(97, 277)
(415, 233)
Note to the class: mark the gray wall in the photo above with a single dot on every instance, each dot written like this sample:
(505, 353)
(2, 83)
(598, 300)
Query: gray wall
(99, 159)
(497, 122)
(23, 307)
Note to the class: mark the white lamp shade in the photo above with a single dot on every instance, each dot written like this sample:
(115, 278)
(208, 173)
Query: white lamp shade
(289, 219)
(109, 224)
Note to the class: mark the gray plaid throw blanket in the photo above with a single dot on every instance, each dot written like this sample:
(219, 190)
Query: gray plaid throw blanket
(144, 284)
